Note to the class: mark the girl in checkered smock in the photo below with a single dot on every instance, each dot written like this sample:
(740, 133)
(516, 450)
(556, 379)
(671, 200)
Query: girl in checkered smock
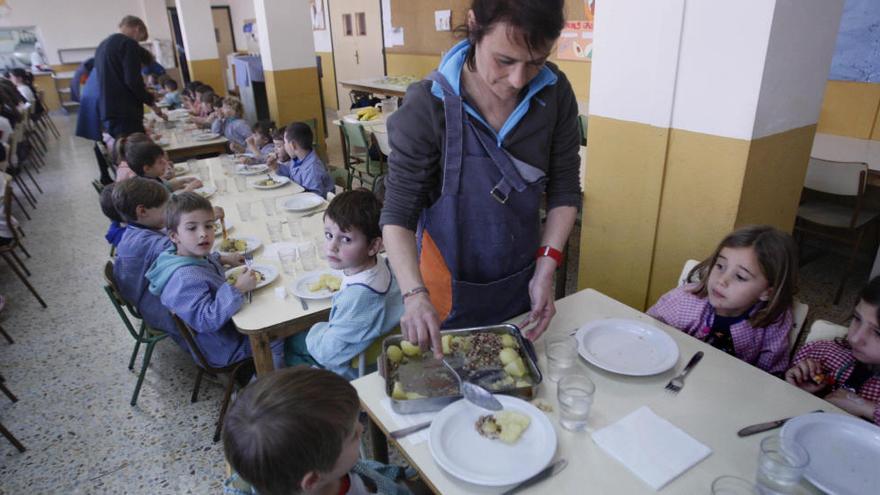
(740, 298)
(846, 371)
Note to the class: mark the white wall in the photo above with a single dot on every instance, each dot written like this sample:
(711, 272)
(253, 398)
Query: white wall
(239, 10)
(70, 24)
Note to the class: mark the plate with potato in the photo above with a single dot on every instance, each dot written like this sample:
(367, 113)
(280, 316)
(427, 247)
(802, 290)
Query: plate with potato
(492, 449)
(238, 244)
(320, 284)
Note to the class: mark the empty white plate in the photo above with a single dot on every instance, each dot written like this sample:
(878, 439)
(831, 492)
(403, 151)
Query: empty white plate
(628, 347)
(302, 202)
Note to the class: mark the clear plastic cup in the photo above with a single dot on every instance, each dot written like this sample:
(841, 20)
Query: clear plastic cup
(575, 394)
(244, 210)
(561, 354)
(221, 185)
(780, 466)
(269, 206)
(731, 485)
(240, 183)
(294, 225)
(289, 258)
(273, 225)
(308, 256)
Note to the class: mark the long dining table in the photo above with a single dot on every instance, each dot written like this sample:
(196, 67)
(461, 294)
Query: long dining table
(267, 316)
(720, 396)
(181, 141)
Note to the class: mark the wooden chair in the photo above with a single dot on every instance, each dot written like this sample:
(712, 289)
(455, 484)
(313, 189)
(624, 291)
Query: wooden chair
(146, 334)
(240, 370)
(8, 250)
(3, 330)
(838, 213)
(359, 161)
(6, 433)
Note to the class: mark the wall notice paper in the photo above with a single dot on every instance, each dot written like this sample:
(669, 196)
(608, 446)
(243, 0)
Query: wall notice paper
(393, 35)
(576, 40)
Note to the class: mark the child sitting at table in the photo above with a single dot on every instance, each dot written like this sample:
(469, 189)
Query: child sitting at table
(846, 371)
(117, 223)
(199, 106)
(172, 95)
(368, 304)
(305, 168)
(123, 171)
(148, 159)
(231, 125)
(260, 143)
(741, 300)
(191, 282)
(280, 153)
(296, 431)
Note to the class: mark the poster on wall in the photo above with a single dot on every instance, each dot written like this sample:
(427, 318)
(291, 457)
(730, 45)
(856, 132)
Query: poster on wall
(857, 53)
(576, 39)
(317, 9)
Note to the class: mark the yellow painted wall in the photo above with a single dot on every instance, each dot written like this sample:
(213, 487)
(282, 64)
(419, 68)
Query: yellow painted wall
(293, 96)
(851, 109)
(210, 72)
(578, 74)
(328, 81)
(406, 64)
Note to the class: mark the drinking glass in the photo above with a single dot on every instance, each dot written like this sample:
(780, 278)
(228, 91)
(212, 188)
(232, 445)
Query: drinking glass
(244, 210)
(273, 225)
(561, 356)
(289, 257)
(194, 167)
(240, 183)
(308, 256)
(780, 466)
(731, 485)
(319, 246)
(294, 224)
(220, 184)
(269, 206)
(575, 393)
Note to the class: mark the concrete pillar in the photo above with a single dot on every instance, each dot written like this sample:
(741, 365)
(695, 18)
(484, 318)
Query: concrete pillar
(702, 116)
(287, 49)
(200, 43)
(155, 16)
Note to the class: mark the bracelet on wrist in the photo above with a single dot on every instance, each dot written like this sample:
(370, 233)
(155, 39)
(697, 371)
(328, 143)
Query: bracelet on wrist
(416, 290)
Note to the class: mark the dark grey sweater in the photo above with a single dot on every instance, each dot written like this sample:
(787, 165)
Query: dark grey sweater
(547, 137)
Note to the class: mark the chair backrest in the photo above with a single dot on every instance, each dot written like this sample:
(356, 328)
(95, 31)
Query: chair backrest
(688, 266)
(839, 178)
(355, 135)
(187, 335)
(799, 311)
(119, 302)
(825, 330)
(7, 204)
(582, 125)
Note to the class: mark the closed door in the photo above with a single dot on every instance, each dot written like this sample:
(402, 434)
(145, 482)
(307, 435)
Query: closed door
(358, 52)
(223, 35)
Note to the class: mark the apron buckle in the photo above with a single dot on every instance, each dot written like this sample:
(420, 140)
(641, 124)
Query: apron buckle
(498, 195)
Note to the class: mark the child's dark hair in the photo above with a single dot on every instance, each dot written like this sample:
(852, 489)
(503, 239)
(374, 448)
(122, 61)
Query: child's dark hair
(139, 154)
(871, 294)
(278, 134)
(170, 84)
(123, 142)
(137, 191)
(265, 128)
(235, 105)
(537, 22)
(185, 202)
(777, 256)
(301, 134)
(359, 209)
(106, 201)
(203, 88)
(288, 423)
(207, 97)
(189, 89)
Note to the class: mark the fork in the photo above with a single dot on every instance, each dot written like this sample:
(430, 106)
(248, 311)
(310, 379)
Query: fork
(675, 385)
(248, 262)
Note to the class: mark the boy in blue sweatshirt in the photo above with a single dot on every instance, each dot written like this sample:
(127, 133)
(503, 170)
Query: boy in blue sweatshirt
(305, 166)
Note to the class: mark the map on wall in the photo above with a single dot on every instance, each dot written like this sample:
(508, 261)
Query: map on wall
(857, 55)
(576, 40)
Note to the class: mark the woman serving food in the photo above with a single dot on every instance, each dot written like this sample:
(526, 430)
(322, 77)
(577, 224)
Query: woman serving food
(475, 147)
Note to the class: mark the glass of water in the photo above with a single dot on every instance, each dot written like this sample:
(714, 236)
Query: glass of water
(289, 257)
(273, 225)
(308, 256)
(731, 485)
(244, 210)
(780, 466)
(220, 184)
(240, 183)
(575, 393)
(294, 224)
(561, 356)
(269, 206)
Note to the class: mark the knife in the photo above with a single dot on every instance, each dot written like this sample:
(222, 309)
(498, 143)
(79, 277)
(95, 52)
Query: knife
(762, 427)
(545, 473)
(396, 434)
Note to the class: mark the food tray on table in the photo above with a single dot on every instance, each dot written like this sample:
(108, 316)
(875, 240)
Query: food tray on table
(417, 382)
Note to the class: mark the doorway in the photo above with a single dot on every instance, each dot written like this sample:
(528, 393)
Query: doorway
(223, 34)
(358, 45)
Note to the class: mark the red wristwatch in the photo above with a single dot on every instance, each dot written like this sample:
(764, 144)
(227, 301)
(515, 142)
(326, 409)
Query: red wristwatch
(551, 252)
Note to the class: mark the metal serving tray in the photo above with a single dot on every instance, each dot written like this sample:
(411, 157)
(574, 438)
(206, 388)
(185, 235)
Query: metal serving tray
(411, 406)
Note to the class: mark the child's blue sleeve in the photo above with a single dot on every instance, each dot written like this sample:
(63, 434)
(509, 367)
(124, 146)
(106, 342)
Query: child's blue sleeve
(217, 126)
(356, 320)
(189, 296)
(284, 170)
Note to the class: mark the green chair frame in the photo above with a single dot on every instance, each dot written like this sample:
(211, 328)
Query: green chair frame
(146, 334)
(359, 163)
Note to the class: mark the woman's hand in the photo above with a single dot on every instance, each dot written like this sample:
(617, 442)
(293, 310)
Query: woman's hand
(421, 324)
(851, 403)
(801, 376)
(542, 297)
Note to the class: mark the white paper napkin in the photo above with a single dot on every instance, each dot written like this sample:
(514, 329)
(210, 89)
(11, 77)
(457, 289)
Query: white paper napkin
(404, 420)
(651, 447)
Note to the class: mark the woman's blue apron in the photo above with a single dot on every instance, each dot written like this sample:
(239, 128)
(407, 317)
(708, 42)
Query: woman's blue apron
(486, 222)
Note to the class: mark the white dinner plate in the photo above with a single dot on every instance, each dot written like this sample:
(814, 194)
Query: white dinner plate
(302, 202)
(259, 168)
(270, 273)
(843, 451)
(628, 347)
(206, 137)
(252, 244)
(206, 191)
(280, 181)
(461, 451)
(300, 286)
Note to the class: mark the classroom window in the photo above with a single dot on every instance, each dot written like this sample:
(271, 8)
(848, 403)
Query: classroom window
(346, 25)
(361, 19)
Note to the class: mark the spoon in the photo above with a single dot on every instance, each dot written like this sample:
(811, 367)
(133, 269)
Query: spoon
(474, 393)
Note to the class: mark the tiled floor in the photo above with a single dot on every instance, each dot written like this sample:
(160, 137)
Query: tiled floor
(68, 365)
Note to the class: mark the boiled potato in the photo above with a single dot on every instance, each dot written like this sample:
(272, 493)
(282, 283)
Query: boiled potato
(507, 340)
(507, 355)
(523, 383)
(516, 368)
(414, 395)
(410, 349)
(446, 340)
(394, 353)
(512, 425)
(398, 392)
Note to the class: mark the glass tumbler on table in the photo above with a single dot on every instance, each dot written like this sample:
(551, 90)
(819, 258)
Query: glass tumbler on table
(294, 224)
(308, 256)
(269, 206)
(780, 466)
(575, 394)
(220, 184)
(244, 210)
(289, 257)
(240, 183)
(273, 225)
(561, 356)
(731, 485)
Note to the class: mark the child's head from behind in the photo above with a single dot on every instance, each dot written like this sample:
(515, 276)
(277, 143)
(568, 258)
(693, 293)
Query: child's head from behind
(298, 137)
(352, 237)
(121, 144)
(170, 85)
(146, 158)
(106, 201)
(232, 107)
(263, 130)
(863, 334)
(757, 263)
(189, 219)
(294, 430)
(141, 201)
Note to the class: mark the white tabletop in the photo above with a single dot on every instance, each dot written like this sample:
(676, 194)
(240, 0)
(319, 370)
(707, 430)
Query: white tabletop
(266, 310)
(380, 85)
(720, 396)
(847, 149)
